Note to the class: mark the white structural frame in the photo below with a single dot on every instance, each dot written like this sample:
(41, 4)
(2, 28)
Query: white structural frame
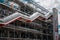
(31, 17)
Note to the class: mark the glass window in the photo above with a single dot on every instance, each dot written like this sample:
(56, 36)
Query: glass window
(12, 34)
(5, 11)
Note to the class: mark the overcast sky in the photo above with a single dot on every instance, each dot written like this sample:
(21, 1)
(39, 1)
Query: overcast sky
(48, 3)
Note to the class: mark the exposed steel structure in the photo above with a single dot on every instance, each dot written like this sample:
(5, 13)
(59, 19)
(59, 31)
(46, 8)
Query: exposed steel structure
(20, 21)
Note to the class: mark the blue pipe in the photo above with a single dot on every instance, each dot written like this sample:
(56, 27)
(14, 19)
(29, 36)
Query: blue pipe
(2, 1)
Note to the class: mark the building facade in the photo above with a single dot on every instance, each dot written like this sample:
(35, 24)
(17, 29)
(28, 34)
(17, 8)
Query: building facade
(16, 27)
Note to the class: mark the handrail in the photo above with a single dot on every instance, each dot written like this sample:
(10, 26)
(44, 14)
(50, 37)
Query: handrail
(19, 14)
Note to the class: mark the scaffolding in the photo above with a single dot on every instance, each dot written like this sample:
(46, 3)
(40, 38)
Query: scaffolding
(19, 30)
